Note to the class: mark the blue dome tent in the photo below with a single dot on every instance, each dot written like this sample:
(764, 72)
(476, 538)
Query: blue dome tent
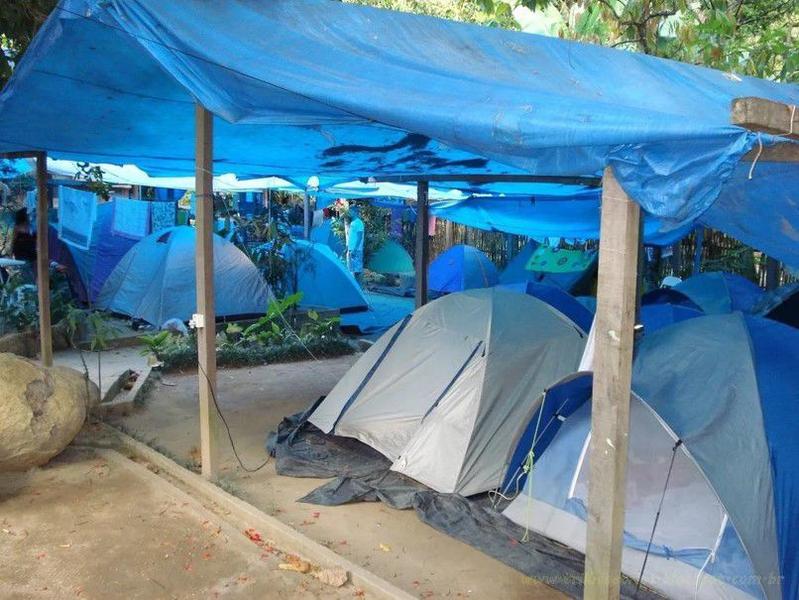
(717, 436)
(668, 296)
(520, 269)
(156, 280)
(322, 278)
(717, 292)
(658, 316)
(558, 299)
(461, 268)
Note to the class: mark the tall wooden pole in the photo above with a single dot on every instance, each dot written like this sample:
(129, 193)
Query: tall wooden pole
(43, 261)
(610, 412)
(422, 242)
(205, 319)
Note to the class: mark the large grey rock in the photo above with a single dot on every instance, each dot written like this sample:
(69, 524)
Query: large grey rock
(41, 411)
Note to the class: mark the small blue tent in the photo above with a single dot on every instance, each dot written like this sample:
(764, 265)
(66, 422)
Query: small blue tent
(156, 280)
(461, 268)
(564, 302)
(712, 440)
(717, 292)
(322, 278)
(518, 271)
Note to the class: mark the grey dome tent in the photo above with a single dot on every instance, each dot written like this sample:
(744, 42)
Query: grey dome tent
(442, 392)
(156, 281)
(713, 465)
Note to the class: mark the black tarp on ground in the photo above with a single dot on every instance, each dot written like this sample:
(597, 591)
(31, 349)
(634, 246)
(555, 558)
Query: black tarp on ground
(361, 474)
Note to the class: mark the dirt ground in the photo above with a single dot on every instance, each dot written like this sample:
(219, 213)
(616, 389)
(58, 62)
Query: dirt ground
(99, 526)
(393, 544)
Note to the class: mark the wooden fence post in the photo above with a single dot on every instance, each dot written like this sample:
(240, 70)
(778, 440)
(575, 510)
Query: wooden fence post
(610, 412)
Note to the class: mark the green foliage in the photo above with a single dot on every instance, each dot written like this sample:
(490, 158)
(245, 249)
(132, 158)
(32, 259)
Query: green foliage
(19, 302)
(268, 238)
(375, 222)
(93, 177)
(318, 328)
(272, 338)
(273, 327)
(155, 344)
(19, 21)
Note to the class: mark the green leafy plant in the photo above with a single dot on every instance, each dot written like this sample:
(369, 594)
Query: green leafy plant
(93, 177)
(317, 327)
(155, 343)
(273, 328)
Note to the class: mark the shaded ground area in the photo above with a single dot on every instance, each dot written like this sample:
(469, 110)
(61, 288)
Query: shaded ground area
(90, 527)
(393, 544)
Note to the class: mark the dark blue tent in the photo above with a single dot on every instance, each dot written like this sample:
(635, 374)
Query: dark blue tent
(461, 268)
(668, 296)
(727, 427)
(717, 292)
(780, 305)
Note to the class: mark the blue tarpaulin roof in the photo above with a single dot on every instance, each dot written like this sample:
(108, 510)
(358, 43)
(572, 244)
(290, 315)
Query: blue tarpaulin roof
(343, 91)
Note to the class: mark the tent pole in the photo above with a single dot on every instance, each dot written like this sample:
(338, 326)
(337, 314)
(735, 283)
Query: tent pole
(422, 257)
(205, 320)
(43, 261)
(610, 413)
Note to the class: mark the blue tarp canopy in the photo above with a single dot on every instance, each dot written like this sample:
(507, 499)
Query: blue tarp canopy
(343, 91)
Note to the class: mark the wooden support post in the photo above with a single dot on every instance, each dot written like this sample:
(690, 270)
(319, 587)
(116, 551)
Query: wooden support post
(610, 413)
(204, 261)
(306, 216)
(43, 261)
(422, 242)
(699, 241)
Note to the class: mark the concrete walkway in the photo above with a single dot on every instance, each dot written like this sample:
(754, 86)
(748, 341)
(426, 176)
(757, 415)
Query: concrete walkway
(114, 364)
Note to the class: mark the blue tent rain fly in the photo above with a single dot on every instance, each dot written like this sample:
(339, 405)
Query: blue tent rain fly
(461, 268)
(718, 292)
(156, 280)
(322, 278)
(724, 429)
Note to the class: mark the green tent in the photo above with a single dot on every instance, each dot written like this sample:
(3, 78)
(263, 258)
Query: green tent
(391, 258)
